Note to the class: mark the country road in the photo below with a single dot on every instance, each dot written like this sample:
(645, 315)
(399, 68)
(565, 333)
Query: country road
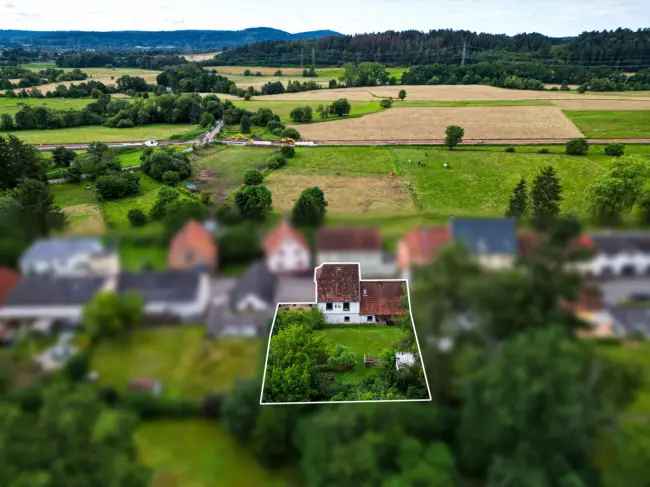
(204, 139)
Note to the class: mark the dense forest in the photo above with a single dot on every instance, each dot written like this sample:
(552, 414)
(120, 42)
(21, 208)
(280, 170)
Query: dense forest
(623, 48)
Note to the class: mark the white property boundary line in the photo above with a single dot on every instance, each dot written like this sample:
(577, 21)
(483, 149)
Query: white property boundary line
(417, 341)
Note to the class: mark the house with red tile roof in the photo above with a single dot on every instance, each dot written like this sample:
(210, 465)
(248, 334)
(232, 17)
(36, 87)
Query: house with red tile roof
(343, 297)
(420, 246)
(193, 247)
(8, 280)
(362, 245)
(286, 250)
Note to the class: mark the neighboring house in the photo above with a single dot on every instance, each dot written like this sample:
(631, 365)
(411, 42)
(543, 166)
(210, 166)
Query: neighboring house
(8, 280)
(420, 247)
(193, 247)
(493, 241)
(619, 254)
(631, 320)
(359, 245)
(343, 297)
(245, 307)
(177, 295)
(286, 250)
(70, 257)
(50, 299)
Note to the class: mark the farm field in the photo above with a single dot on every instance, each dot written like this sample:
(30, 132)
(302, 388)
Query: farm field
(108, 76)
(187, 364)
(11, 105)
(430, 123)
(201, 453)
(283, 108)
(415, 188)
(612, 124)
(94, 133)
(448, 93)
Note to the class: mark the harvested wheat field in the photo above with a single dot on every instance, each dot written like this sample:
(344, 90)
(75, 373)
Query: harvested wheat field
(345, 194)
(108, 76)
(615, 105)
(430, 123)
(440, 93)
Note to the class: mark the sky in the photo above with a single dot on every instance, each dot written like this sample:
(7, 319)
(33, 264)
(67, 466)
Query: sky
(550, 17)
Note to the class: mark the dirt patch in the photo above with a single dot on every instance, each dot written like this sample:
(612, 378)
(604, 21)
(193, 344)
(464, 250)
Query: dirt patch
(86, 219)
(430, 123)
(344, 194)
(440, 93)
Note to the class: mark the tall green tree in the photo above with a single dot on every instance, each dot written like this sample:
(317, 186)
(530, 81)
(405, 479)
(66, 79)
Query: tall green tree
(110, 314)
(72, 439)
(536, 392)
(254, 202)
(518, 205)
(18, 161)
(41, 215)
(545, 197)
(454, 136)
(310, 208)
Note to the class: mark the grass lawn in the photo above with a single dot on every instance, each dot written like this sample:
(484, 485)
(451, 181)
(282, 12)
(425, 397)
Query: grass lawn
(200, 453)
(187, 364)
(12, 105)
(135, 257)
(116, 211)
(130, 157)
(70, 194)
(283, 108)
(371, 340)
(100, 133)
(611, 124)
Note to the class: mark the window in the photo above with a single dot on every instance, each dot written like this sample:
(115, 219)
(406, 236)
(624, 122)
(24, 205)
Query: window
(346, 319)
(346, 306)
(328, 306)
(369, 318)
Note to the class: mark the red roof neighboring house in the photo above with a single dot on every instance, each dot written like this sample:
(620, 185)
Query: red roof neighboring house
(382, 298)
(8, 280)
(421, 245)
(276, 237)
(192, 247)
(337, 239)
(336, 283)
(528, 241)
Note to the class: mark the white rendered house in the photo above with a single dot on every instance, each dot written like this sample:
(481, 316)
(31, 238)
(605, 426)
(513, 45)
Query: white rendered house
(343, 297)
(286, 251)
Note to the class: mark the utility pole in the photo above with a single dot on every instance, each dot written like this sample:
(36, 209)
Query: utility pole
(462, 59)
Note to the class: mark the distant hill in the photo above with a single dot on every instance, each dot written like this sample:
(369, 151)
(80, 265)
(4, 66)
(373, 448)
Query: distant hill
(189, 40)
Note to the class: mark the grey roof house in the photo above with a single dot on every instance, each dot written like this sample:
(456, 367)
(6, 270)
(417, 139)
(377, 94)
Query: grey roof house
(492, 240)
(180, 295)
(71, 257)
(51, 298)
(246, 307)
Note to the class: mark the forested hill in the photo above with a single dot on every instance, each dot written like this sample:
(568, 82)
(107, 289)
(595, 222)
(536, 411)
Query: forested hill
(621, 47)
(190, 40)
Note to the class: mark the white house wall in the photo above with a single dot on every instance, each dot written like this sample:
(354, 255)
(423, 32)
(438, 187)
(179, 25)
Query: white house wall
(617, 264)
(289, 257)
